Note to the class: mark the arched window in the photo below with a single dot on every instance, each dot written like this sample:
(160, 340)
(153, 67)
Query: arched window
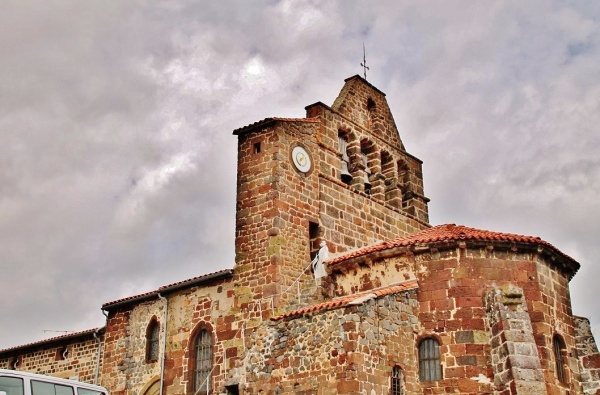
(429, 360)
(559, 357)
(202, 362)
(396, 384)
(371, 106)
(152, 341)
(152, 387)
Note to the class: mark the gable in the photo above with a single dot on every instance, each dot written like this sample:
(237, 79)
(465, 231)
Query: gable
(367, 106)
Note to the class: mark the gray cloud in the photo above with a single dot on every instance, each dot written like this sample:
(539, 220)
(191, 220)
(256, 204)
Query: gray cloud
(117, 164)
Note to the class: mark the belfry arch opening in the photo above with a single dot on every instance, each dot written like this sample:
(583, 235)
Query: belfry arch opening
(368, 164)
(344, 153)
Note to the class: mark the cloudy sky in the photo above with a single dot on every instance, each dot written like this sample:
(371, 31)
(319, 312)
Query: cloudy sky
(117, 161)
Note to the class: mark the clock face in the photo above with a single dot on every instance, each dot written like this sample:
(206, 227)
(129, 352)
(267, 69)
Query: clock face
(301, 159)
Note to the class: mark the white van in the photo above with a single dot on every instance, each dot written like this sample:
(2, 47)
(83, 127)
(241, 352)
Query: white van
(14, 382)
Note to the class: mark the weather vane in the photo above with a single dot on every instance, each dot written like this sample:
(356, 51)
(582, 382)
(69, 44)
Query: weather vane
(364, 63)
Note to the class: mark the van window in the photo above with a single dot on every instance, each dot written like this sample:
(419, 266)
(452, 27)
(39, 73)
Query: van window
(42, 388)
(85, 391)
(11, 385)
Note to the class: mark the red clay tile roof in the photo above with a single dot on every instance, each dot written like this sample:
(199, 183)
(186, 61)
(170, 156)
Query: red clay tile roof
(67, 336)
(196, 280)
(169, 288)
(357, 298)
(139, 297)
(445, 233)
(268, 121)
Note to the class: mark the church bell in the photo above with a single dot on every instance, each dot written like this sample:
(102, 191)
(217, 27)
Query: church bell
(346, 176)
(367, 181)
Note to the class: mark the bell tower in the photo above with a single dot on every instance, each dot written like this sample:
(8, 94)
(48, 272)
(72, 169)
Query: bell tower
(277, 201)
(341, 175)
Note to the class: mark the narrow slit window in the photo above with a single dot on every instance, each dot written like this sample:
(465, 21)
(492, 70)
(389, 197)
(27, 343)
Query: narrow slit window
(152, 341)
(559, 357)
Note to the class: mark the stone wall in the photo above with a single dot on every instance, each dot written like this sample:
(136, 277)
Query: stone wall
(125, 363)
(278, 207)
(551, 315)
(349, 350)
(73, 358)
(213, 308)
(359, 275)
(352, 219)
(453, 281)
(396, 176)
(275, 206)
(126, 369)
(454, 284)
(588, 356)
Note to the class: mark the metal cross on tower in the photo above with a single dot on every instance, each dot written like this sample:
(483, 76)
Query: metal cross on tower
(364, 63)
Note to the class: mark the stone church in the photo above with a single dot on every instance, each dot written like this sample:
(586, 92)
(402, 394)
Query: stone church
(394, 306)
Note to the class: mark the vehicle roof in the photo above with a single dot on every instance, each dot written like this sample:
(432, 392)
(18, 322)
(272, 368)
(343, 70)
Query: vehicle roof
(58, 380)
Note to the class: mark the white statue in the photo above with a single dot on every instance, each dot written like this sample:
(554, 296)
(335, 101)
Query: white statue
(317, 263)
